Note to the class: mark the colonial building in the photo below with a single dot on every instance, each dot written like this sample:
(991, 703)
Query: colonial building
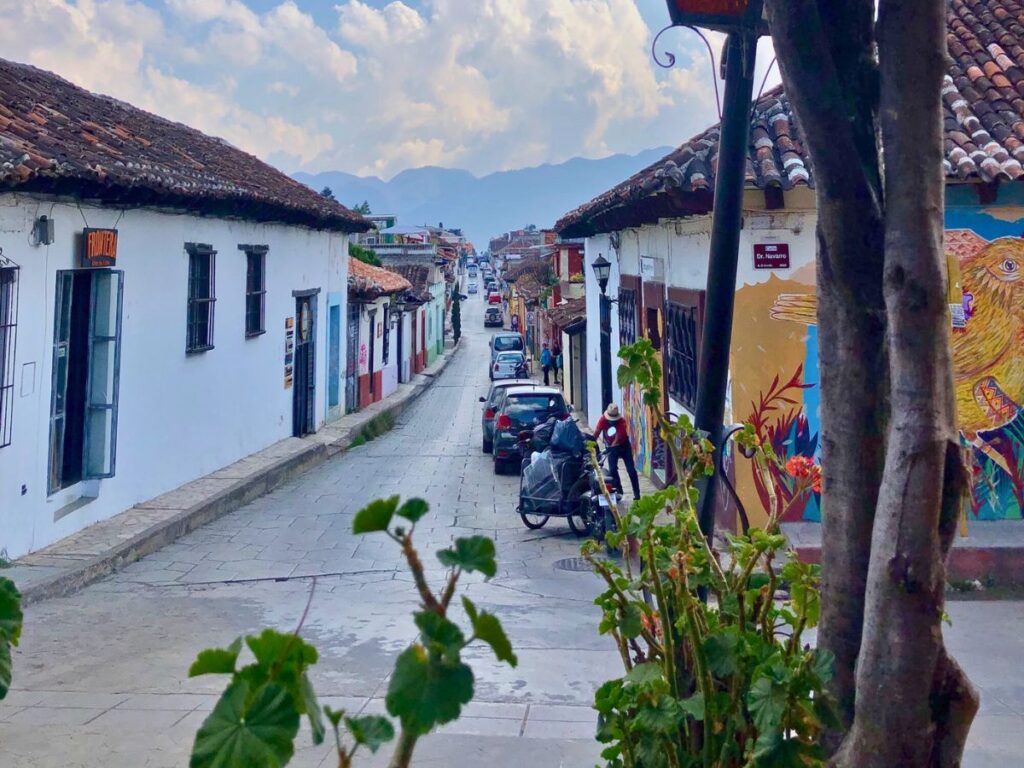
(655, 229)
(168, 305)
(376, 331)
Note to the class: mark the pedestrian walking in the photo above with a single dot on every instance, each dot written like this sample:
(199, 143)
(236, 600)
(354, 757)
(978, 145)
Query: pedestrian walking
(515, 323)
(613, 430)
(545, 363)
(556, 353)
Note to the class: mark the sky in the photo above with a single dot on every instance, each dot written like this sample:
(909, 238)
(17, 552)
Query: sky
(374, 87)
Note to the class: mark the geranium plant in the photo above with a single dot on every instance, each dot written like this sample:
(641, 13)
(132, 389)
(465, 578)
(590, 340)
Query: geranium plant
(716, 672)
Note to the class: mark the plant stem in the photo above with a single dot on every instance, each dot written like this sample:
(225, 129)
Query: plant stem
(403, 750)
(665, 615)
(416, 566)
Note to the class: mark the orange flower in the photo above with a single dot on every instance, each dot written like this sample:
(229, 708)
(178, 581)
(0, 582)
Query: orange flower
(804, 468)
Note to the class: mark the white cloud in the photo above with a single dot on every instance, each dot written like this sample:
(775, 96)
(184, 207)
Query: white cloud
(380, 86)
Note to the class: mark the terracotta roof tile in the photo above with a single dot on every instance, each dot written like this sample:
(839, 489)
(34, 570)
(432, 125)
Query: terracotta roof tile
(60, 139)
(369, 281)
(569, 312)
(983, 100)
(418, 276)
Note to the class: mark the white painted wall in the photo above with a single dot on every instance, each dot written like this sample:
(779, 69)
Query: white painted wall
(600, 244)
(180, 417)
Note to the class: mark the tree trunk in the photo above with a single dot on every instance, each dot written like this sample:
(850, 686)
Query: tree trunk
(902, 658)
(825, 56)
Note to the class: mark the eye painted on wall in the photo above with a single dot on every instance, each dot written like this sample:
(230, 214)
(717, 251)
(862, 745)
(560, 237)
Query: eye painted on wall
(1010, 266)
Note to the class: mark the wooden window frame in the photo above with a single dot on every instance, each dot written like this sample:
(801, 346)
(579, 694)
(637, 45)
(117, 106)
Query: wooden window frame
(255, 257)
(196, 303)
(682, 345)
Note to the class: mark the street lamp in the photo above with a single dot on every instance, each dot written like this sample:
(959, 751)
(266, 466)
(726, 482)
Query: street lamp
(743, 21)
(602, 271)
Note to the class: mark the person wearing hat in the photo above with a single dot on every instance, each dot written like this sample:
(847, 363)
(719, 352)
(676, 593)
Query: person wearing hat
(612, 429)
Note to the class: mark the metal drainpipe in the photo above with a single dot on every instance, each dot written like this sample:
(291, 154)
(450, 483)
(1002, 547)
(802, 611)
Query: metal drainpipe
(727, 219)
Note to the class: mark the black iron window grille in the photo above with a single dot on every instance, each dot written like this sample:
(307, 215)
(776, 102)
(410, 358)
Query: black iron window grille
(201, 297)
(386, 335)
(8, 332)
(682, 354)
(255, 290)
(627, 316)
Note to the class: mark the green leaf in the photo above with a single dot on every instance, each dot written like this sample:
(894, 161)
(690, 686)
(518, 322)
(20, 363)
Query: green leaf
(258, 735)
(376, 516)
(272, 647)
(438, 630)
(645, 674)
(216, 661)
(11, 616)
(312, 709)
(6, 669)
(425, 690)
(475, 553)
(767, 703)
(720, 649)
(693, 706)
(661, 717)
(824, 664)
(608, 696)
(631, 621)
(334, 716)
(413, 510)
(371, 731)
(488, 629)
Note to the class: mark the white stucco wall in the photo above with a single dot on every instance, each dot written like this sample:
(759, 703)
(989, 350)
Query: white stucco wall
(600, 244)
(180, 416)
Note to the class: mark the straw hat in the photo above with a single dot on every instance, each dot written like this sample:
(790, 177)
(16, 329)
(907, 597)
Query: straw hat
(612, 413)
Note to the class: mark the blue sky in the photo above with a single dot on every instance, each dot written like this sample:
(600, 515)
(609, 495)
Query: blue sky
(374, 87)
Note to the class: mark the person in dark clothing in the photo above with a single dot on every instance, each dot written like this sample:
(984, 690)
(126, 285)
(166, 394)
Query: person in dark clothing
(556, 361)
(612, 428)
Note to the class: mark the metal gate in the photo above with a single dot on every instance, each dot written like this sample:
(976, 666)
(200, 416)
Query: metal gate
(352, 358)
(304, 399)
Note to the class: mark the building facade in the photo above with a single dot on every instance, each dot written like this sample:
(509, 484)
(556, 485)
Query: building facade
(156, 323)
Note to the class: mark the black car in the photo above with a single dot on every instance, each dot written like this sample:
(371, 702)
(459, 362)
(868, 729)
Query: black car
(493, 318)
(523, 407)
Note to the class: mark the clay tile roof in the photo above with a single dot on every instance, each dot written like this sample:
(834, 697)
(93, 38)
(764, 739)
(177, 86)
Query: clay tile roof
(569, 313)
(369, 281)
(418, 276)
(983, 99)
(537, 267)
(57, 138)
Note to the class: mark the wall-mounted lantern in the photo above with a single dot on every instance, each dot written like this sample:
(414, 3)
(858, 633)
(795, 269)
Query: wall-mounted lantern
(602, 271)
(723, 15)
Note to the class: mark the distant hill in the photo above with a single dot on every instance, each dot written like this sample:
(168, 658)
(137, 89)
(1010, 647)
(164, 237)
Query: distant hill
(487, 206)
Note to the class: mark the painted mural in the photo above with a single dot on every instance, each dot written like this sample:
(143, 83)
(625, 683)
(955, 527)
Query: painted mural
(775, 371)
(639, 424)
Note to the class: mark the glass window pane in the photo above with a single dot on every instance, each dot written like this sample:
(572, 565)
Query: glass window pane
(60, 379)
(98, 451)
(101, 373)
(104, 310)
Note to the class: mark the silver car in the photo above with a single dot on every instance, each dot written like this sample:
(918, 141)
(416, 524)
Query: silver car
(507, 365)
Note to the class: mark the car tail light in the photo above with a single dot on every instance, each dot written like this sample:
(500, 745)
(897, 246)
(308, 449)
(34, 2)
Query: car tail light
(489, 413)
(504, 422)
(496, 367)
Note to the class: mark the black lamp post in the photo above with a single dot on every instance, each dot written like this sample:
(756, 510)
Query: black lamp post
(743, 21)
(603, 271)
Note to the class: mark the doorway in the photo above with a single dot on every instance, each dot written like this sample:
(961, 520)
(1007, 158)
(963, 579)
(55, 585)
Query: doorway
(371, 357)
(86, 373)
(402, 375)
(304, 395)
(352, 358)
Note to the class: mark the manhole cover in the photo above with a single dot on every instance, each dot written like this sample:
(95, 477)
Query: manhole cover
(573, 564)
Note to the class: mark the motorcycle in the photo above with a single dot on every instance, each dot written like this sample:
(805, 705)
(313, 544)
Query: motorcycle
(594, 508)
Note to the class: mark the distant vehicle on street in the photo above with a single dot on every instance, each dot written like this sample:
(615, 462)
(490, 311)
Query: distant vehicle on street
(471, 288)
(493, 318)
(506, 341)
(507, 365)
(523, 408)
(494, 298)
(491, 405)
(472, 271)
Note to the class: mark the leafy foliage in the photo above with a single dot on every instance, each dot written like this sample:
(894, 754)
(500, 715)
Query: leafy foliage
(364, 255)
(720, 682)
(11, 619)
(256, 720)
(456, 314)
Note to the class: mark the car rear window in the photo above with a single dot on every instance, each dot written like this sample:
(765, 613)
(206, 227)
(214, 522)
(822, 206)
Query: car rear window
(505, 343)
(523, 406)
(510, 357)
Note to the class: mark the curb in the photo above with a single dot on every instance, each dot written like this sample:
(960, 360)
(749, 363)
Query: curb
(216, 506)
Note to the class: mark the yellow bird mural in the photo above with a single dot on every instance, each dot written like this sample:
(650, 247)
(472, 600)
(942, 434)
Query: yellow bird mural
(988, 354)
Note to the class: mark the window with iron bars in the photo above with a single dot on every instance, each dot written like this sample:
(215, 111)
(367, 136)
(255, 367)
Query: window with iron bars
(8, 328)
(627, 316)
(682, 353)
(201, 297)
(255, 289)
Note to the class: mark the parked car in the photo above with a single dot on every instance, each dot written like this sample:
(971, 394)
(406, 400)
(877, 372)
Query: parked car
(491, 405)
(494, 298)
(493, 318)
(506, 341)
(508, 365)
(471, 288)
(522, 408)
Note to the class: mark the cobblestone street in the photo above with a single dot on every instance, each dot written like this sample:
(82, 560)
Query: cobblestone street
(100, 679)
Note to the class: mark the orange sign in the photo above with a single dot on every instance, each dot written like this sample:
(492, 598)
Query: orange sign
(99, 247)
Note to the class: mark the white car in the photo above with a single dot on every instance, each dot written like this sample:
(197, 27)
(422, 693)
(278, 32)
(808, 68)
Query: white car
(471, 288)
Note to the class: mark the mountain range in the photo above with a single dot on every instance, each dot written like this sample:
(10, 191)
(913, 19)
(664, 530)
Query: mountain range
(484, 207)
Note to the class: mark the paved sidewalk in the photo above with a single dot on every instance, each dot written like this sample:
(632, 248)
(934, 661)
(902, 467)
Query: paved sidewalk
(100, 549)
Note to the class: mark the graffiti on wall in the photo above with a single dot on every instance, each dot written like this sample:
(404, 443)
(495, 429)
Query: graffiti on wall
(636, 415)
(775, 364)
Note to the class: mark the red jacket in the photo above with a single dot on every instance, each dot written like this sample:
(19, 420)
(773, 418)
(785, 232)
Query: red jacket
(621, 436)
